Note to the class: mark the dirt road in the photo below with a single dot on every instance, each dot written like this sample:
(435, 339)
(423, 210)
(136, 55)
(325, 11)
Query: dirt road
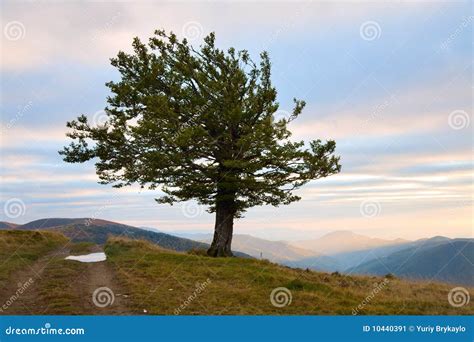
(52, 285)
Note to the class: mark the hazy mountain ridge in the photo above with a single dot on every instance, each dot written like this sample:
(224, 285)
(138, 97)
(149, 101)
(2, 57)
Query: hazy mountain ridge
(98, 231)
(275, 251)
(449, 261)
(344, 241)
(48, 223)
(420, 259)
(7, 225)
(364, 260)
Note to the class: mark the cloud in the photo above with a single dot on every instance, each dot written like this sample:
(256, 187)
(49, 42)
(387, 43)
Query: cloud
(417, 108)
(386, 103)
(21, 136)
(93, 32)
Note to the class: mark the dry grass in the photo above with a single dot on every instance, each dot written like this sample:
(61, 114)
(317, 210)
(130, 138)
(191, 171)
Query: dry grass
(19, 249)
(80, 248)
(160, 282)
(57, 289)
(167, 282)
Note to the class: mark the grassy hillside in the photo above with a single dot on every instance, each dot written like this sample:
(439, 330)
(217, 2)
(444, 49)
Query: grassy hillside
(97, 231)
(162, 282)
(54, 285)
(52, 222)
(147, 279)
(19, 249)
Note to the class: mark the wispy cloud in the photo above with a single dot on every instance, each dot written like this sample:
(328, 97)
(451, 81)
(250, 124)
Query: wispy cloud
(387, 100)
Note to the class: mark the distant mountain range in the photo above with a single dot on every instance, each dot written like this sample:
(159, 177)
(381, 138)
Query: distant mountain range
(97, 231)
(438, 258)
(275, 251)
(344, 241)
(7, 225)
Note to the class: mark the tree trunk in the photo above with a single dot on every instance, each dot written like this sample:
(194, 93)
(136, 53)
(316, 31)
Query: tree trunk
(221, 243)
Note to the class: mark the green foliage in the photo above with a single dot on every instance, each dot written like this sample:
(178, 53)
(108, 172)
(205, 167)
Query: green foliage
(198, 123)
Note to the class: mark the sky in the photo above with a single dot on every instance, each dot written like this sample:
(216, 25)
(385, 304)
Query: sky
(391, 82)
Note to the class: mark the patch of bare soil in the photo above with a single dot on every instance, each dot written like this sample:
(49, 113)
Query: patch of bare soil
(54, 286)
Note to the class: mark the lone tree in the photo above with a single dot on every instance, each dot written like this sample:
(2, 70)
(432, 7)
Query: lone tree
(199, 124)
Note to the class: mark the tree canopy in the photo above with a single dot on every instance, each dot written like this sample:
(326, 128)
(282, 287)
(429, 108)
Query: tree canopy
(198, 123)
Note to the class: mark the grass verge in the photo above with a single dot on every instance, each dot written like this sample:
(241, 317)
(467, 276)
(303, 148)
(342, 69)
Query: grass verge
(165, 282)
(19, 249)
